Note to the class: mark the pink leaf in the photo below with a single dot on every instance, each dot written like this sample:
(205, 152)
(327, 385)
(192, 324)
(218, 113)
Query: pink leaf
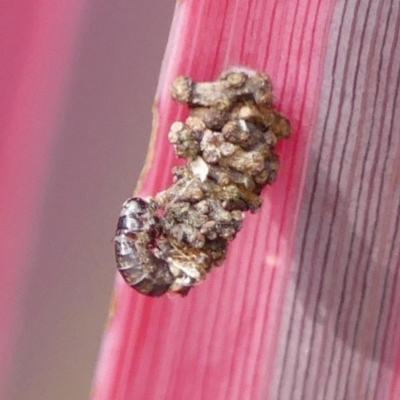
(37, 45)
(305, 307)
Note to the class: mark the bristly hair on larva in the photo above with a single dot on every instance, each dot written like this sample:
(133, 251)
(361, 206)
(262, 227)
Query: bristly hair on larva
(170, 242)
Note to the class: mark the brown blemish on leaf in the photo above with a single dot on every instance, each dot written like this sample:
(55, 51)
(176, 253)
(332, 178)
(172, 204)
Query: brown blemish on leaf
(150, 151)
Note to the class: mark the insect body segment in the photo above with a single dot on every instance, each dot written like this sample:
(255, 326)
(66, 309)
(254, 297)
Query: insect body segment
(135, 237)
(169, 243)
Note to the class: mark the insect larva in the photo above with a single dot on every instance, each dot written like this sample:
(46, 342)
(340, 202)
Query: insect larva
(170, 242)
